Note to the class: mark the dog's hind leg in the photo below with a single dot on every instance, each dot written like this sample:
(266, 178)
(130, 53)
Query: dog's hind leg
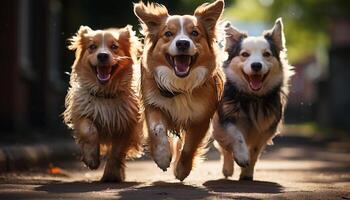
(87, 137)
(194, 137)
(227, 159)
(158, 138)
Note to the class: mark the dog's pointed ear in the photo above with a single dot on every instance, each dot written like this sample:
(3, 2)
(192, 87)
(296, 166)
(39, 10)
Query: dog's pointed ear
(276, 34)
(151, 17)
(208, 14)
(76, 41)
(128, 35)
(126, 32)
(232, 36)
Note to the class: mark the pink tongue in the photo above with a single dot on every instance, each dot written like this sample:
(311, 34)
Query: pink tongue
(256, 82)
(103, 73)
(103, 77)
(182, 63)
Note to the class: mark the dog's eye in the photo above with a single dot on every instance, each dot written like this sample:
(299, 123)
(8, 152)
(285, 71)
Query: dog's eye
(114, 47)
(266, 54)
(92, 47)
(245, 54)
(168, 34)
(194, 33)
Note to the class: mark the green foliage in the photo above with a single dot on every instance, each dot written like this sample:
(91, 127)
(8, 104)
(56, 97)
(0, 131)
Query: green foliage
(306, 21)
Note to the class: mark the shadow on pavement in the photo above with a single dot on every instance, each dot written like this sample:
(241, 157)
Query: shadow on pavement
(79, 187)
(164, 190)
(225, 185)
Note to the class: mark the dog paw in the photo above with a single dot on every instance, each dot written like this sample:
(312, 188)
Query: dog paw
(182, 170)
(227, 167)
(162, 157)
(242, 158)
(112, 177)
(241, 155)
(90, 155)
(160, 147)
(227, 170)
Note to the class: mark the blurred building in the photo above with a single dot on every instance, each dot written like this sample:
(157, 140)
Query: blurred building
(335, 97)
(34, 34)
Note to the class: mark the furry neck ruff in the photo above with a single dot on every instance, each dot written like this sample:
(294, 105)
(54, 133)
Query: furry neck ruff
(166, 93)
(103, 95)
(235, 101)
(170, 94)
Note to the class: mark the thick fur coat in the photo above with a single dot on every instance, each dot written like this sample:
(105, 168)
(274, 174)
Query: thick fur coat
(102, 105)
(181, 81)
(254, 98)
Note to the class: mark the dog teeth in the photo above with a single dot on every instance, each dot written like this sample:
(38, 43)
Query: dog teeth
(184, 71)
(103, 78)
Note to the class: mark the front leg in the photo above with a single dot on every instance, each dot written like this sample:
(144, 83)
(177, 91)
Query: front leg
(158, 138)
(193, 146)
(231, 139)
(255, 149)
(115, 165)
(87, 138)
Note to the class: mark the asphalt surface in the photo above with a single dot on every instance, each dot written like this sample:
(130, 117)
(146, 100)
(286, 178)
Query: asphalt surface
(294, 168)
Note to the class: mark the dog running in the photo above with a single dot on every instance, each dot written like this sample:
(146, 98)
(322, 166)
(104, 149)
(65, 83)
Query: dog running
(255, 94)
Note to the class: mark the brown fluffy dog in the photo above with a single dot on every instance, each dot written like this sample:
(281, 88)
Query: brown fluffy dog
(181, 80)
(102, 106)
(255, 94)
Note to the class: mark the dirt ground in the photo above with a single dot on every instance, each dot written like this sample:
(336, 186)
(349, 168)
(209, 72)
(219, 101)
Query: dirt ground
(294, 168)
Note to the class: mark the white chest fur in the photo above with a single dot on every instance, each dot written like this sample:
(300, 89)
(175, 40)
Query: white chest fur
(183, 108)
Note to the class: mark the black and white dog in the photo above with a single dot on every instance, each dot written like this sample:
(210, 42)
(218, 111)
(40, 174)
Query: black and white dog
(255, 94)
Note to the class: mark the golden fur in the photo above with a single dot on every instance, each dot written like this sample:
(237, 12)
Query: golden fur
(189, 111)
(109, 113)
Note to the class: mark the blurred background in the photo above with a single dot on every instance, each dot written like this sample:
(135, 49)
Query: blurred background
(35, 58)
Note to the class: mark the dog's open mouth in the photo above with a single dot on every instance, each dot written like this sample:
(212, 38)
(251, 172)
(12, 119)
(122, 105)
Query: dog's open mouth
(104, 73)
(255, 80)
(181, 63)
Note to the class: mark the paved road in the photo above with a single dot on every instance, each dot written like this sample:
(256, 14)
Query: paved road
(294, 168)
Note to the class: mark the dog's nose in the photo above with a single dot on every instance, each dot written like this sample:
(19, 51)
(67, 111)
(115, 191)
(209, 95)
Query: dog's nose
(102, 57)
(182, 45)
(256, 66)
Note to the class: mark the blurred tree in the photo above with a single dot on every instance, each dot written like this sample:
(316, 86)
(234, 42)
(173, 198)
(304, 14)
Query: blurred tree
(306, 21)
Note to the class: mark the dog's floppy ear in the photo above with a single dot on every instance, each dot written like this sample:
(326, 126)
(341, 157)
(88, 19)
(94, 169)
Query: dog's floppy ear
(276, 34)
(208, 14)
(151, 16)
(232, 36)
(77, 40)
